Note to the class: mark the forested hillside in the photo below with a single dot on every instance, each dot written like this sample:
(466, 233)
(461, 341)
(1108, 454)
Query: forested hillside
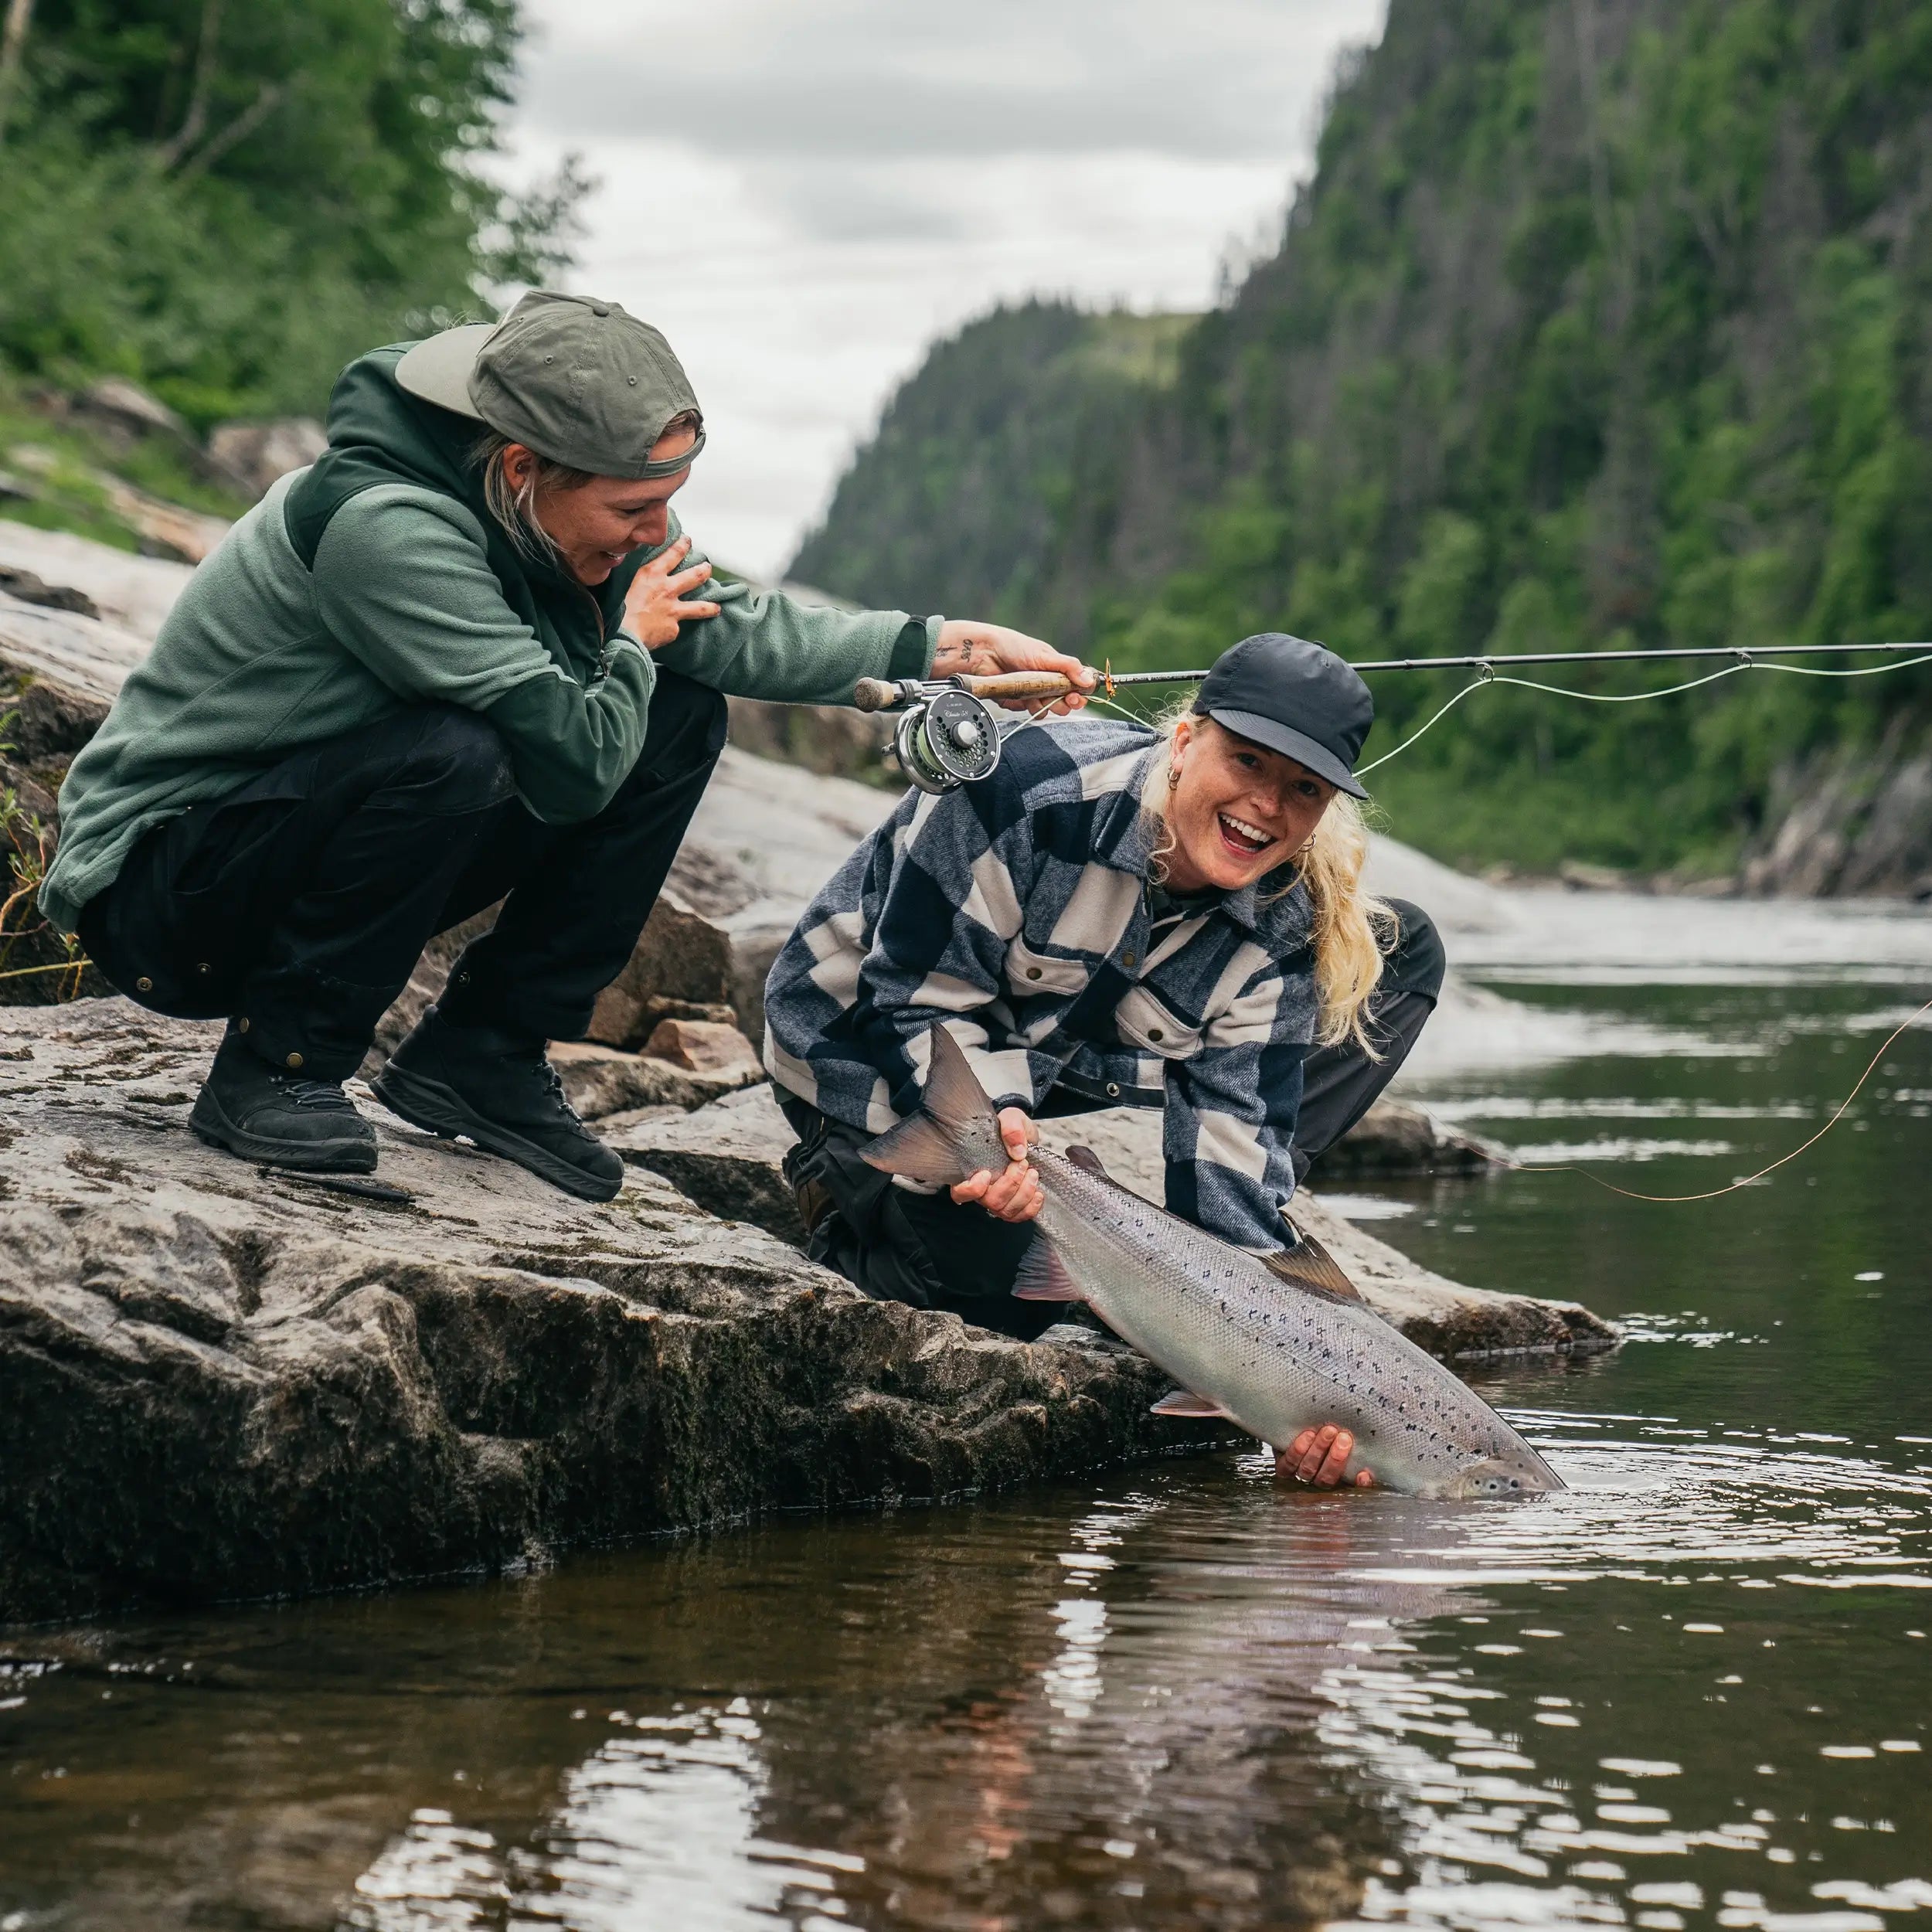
(962, 495)
(225, 199)
(1602, 322)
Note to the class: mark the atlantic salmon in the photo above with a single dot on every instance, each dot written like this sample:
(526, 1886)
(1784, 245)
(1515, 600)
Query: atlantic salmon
(1275, 1344)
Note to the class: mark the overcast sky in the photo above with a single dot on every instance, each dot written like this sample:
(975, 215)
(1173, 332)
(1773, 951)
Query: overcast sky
(803, 194)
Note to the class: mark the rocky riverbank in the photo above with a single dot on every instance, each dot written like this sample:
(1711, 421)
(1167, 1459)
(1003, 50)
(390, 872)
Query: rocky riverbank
(218, 1382)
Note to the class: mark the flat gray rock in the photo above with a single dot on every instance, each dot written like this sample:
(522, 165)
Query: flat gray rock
(218, 1382)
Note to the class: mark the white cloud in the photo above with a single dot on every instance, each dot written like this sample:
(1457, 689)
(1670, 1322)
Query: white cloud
(804, 193)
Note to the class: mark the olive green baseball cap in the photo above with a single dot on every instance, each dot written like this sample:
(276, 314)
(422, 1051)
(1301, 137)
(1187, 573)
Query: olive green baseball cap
(578, 380)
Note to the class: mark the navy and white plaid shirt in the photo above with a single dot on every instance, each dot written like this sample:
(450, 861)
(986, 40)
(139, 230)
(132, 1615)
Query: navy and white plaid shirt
(1015, 909)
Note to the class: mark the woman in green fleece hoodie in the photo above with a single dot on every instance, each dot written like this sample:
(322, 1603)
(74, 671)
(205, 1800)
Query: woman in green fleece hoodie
(467, 654)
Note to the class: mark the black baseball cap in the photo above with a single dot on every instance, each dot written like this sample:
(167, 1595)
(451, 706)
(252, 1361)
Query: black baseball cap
(1296, 698)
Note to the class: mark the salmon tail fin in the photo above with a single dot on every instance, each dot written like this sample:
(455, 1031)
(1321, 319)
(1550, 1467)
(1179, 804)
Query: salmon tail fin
(1309, 1265)
(936, 1144)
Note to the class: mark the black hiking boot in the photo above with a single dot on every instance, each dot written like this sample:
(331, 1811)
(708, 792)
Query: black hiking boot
(264, 1113)
(501, 1091)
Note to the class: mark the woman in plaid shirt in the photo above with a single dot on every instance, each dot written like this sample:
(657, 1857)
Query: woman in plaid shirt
(1117, 916)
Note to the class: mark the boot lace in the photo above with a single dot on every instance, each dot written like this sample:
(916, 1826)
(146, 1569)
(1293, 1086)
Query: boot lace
(318, 1096)
(538, 1060)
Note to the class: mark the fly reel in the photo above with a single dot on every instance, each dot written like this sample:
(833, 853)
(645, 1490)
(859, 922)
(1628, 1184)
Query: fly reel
(946, 740)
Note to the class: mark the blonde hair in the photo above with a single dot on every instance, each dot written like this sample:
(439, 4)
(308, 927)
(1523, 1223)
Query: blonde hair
(1347, 919)
(514, 505)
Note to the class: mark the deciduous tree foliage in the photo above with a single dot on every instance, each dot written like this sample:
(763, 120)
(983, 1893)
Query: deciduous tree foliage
(1603, 322)
(226, 199)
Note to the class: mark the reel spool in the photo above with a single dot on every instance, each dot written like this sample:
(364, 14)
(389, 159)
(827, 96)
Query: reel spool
(950, 740)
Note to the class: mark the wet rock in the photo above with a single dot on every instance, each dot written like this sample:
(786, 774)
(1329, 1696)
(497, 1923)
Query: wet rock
(726, 1158)
(704, 1046)
(1394, 1138)
(257, 455)
(218, 1383)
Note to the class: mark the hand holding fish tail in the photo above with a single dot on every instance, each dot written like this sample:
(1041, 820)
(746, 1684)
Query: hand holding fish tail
(1016, 1195)
(1320, 1457)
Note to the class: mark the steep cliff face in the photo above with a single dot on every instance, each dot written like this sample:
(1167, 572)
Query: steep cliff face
(1602, 321)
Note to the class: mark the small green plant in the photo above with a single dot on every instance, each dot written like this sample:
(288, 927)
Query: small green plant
(37, 963)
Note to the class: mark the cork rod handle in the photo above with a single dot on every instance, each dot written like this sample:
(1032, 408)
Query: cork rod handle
(880, 694)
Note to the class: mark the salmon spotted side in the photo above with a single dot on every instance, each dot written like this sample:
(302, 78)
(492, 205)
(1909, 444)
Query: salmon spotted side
(1275, 1344)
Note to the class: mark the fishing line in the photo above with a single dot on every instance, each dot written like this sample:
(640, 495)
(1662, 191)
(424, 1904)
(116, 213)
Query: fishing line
(1636, 697)
(1631, 1194)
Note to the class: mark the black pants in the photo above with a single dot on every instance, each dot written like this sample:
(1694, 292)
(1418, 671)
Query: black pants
(301, 901)
(924, 1248)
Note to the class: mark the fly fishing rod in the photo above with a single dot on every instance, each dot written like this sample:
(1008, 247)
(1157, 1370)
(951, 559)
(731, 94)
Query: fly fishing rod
(947, 735)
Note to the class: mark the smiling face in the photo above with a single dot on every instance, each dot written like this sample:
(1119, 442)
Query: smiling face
(1236, 810)
(597, 524)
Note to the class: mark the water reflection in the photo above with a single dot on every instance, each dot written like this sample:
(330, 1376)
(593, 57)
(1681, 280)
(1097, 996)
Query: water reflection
(1695, 1689)
(657, 1827)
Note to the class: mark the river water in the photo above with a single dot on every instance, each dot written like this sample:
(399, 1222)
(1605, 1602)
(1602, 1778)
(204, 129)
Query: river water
(1694, 1691)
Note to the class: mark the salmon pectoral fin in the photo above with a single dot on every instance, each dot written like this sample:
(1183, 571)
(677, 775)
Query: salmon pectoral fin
(1085, 1158)
(1309, 1265)
(1182, 1402)
(1042, 1275)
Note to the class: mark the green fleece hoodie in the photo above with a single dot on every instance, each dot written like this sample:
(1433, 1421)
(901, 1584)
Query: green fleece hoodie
(378, 579)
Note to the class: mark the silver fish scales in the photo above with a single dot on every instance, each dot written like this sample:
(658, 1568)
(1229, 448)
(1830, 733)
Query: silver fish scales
(1275, 1344)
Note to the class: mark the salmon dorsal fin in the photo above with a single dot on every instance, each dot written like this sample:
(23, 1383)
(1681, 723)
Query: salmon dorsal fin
(1309, 1265)
(1085, 1158)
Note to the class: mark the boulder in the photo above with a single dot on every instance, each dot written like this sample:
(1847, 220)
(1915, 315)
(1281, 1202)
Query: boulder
(830, 739)
(134, 593)
(30, 587)
(603, 1080)
(218, 1382)
(726, 1158)
(163, 529)
(681, 955)
(126, 412)
(704, 1046)
(1394, 1138)
(257, 454)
